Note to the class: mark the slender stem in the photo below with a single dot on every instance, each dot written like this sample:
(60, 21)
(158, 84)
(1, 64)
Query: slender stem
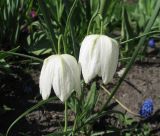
(68, 26)
(93, 17)
(102, 6)
(75, 120)
(59, 42)
(125, 58)
(22, 55)
(73, 43)
(65, 117)
(74, 126)
(64, 45)
(140, 44)
(145, 34)
(101, 23)
(69, 16)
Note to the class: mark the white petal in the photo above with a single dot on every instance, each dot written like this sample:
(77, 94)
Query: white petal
(66, 77)
(109, 58)
(121, 72)
(46, 75)
(75, 70)
(89, 57)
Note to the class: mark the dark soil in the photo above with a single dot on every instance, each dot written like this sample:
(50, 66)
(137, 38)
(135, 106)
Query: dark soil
(142, 82)
(19, 91)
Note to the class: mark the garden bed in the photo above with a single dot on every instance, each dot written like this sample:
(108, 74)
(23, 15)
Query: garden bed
(21, 91)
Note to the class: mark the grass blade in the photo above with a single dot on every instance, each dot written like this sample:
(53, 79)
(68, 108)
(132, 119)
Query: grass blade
(45, 12)
(22, 55)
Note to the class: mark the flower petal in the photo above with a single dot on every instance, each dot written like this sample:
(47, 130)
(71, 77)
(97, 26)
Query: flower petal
(75, 70)
(108, 58)
(89, 57)
(46, 75)
(66, 76)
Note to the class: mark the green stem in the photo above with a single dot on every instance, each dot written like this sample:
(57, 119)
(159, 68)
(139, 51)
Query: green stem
(75, 120)
(68, 26)
(140, 44)
(64, 45)
(22, 55)
(74, 126)
(102, 6)
(145, 34)
(101, 23)
(125, 58)
(65, 117)
(69, 16)
(73, 43)
(93, 17)
(59, 42)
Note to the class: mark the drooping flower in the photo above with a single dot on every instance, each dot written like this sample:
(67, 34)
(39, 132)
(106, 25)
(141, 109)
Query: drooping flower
(151, 43)
(61, 72)
(98, 56)
(146, 109)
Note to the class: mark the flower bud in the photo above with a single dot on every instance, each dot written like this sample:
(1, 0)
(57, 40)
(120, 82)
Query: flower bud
(146, 109)
(151, 43)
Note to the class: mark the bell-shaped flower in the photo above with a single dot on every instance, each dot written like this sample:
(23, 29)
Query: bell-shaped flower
(61, 72)
(98, 56)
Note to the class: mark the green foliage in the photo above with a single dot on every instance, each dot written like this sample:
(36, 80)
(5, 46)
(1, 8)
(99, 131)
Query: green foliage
(58, 19)
(143, 11)
(130, 127)
(84, 106)
(37, 42)
(91, 98)
(3, 64)
(127, 32)
(134, 23)
(13, 14)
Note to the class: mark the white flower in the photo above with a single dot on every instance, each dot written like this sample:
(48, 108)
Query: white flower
(61, 72)
(98, 56)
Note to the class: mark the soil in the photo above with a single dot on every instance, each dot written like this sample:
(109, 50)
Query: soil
(19, 91)
(142, 82)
